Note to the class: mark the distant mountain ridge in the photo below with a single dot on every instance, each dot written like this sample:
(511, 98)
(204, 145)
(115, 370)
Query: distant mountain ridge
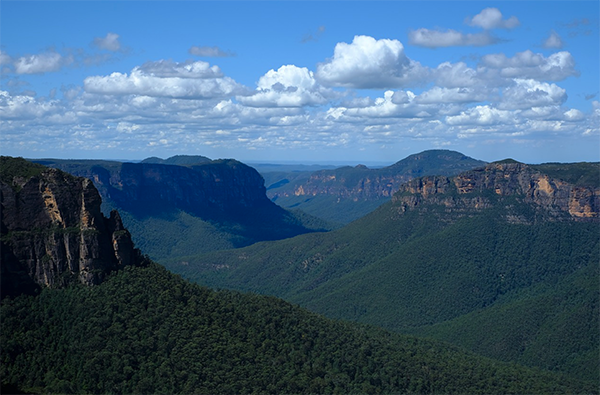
(179, 160)
(347, 193)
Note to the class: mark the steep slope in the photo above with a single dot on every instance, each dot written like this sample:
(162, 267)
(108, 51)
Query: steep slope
(441, 249)
(180, 210)
(145, 330)
(347, 193)
(53, 232)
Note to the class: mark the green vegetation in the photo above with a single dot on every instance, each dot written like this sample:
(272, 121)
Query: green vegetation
(11, 168)
(580, 174)
(145, 330)
(413, 269)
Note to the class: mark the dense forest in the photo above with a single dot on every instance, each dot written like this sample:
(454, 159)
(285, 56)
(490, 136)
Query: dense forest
(441, 273)
(145, 330)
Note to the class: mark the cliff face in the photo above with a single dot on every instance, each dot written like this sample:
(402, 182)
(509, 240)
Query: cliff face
(481, 188)
(53, 233)
(207, 190)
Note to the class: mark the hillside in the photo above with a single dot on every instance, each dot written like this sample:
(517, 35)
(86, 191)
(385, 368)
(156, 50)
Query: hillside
(175, 210)
(503, 238)
(145, 330)
(347, 193)
(130, 326)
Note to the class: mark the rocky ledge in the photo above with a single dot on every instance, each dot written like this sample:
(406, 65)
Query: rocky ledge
(53, 232)
(480, 188)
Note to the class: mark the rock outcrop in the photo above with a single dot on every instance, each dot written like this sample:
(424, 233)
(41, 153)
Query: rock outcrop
(483, 187)
(53, 232)
(207, 190)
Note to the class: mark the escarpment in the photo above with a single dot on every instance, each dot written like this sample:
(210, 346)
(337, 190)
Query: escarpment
(496, 183)
(54, 233)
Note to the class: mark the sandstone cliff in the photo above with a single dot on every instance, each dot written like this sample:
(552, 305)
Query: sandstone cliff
(54, 233)
(484, 187)
(208, 190)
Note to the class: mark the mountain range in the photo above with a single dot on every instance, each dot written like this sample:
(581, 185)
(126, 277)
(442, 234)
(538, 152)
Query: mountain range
(103, 318)
(347, 193)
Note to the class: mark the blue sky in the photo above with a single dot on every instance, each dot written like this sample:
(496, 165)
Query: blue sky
(307, 81)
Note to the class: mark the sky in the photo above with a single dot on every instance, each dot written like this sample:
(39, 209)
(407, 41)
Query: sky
(300, 81)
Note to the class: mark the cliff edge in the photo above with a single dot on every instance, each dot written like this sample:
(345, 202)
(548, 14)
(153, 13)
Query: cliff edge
(498, 181)
(53, 232)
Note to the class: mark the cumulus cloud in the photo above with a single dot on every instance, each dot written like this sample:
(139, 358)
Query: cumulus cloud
(483, 115)
(491, 18)
(367, 63)
(27, 107)
(209, 52)
(527, 64)
(452, 95)
(109, 43)
(531, 93)
(190, 80)
(453, 75)
(41, 63)
(393, 104)
(289, 86)
(553, 41)
(574, 115)
(449, 38)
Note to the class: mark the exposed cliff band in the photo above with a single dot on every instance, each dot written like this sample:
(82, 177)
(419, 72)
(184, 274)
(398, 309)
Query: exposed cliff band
(558, 198)
(53, 232)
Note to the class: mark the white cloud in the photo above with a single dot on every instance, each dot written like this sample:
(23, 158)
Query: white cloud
(553, 41)
(531, 93)
(449, 38)
(289, 86)
(574, 115)
(527, 64)
(210, 52)
(491, 18)
(367, 63)
(39, 64)
(399, 104)
(109, 43)
(189, 69)
(195, 80)
(28, 108)
(483, 115)
(451, 95)
(454, 75)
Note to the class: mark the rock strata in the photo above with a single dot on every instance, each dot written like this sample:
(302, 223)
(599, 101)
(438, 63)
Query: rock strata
(479, 188)
(53, 233)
